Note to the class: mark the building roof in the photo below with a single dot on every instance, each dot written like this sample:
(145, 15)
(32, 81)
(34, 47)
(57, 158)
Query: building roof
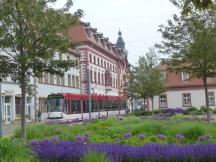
(83, 33)
(174, 80)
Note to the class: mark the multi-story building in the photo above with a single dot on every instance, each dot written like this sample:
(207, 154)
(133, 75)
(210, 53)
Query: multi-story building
(99, 60)
(11, 93)
(103, 62)
(182, 90)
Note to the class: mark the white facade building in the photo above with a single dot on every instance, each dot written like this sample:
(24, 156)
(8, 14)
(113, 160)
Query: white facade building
(183, 91)
(11, 92)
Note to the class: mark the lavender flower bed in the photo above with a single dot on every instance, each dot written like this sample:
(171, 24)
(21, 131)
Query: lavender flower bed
(175, 110)
(54, 150)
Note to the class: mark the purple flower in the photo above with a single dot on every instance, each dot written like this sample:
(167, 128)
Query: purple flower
(82, 139)
(117, 140)
(180, 137)
(141, 136)
(208, 137)
(204, 138)
(162, 137)
(69, 151)
(201, 138)
(127, 135)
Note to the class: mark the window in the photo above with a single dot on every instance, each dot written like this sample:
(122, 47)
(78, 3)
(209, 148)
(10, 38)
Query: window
(185, 76)
(94, 60)
(58, 79)
(90, 58)
(51, 79)
(186, 99)
(101, 63)
(91, 76)
(98, 61)
(105, 64)
(163, 75)
(62, 80)
(41, 79)
(68, 58)
(46, 78)
(77, 82)
(95, 77)
(73, 81)
(98, 77)
(69, 80)
(116, 83)
(163, 101)
(211, 98)
(102, 79)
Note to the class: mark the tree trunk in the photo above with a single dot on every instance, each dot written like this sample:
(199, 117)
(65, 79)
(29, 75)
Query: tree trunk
(152, 100)
(206, 98)
(144, 103)
(132, 104)
(23, 104)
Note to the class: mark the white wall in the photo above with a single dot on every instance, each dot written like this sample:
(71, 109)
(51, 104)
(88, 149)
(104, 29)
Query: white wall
(45, 89)
(174, 98)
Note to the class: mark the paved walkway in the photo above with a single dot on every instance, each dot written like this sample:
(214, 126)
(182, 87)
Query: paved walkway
(9, 129)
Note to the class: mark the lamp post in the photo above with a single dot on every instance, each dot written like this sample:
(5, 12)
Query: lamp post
(1, 132)
(89, 91)
(35, 99)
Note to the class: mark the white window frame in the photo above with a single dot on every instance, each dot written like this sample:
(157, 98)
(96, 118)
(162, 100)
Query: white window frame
(185, 76)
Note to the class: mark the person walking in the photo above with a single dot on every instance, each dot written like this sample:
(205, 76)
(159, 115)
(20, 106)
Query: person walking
(39, 115)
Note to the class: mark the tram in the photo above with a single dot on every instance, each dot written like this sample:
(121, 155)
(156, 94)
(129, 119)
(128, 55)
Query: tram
(68, 106)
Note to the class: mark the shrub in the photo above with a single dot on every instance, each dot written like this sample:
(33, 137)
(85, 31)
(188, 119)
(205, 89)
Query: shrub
(142, 113)
(191, 109)
(94, 157)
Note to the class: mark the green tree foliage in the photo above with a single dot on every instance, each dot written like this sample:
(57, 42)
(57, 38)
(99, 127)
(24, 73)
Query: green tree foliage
(190, 42)
(146, 78)
(30, 33)
(189, 6)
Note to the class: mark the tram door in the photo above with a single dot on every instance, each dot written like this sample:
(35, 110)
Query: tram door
(7, 109)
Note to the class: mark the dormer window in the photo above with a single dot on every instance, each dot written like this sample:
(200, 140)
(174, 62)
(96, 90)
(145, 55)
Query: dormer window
(185, 76)
(88, 31)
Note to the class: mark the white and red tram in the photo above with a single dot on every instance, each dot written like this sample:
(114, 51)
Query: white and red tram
(69, 106)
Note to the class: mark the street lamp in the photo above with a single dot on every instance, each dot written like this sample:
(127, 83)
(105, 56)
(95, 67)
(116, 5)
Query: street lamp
(1, 133)
(89, 91)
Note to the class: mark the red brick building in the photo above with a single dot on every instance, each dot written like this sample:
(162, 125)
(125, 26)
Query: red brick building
(105, 62)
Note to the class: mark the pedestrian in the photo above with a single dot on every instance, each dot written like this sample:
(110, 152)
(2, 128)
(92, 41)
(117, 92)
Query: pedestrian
(126, 109)
(39, 115)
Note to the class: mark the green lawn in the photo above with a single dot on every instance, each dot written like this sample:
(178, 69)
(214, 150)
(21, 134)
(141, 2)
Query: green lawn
(107, 131)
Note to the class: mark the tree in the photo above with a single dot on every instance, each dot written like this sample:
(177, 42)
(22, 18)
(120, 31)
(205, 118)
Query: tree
(156, 82)
(30, 33)
(189, 6)
(190, 41)
(147, 81)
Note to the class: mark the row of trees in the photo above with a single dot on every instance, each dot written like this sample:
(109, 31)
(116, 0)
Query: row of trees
(189, 40)
(30, 33)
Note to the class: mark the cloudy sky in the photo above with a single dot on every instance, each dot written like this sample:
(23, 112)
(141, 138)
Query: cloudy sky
(137, 19)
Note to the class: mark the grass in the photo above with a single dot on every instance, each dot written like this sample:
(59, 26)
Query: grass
(106, 131)
(14, 151)
(94, 157)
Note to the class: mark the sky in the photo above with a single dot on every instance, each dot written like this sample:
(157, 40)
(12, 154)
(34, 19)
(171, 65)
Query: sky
(138, 20)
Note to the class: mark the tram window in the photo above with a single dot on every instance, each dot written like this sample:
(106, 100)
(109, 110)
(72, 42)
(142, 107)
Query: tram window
(85, 106)
(75, 107)
(66, 107)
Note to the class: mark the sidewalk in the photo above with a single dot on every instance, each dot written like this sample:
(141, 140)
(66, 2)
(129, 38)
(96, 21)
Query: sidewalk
(9, 129)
